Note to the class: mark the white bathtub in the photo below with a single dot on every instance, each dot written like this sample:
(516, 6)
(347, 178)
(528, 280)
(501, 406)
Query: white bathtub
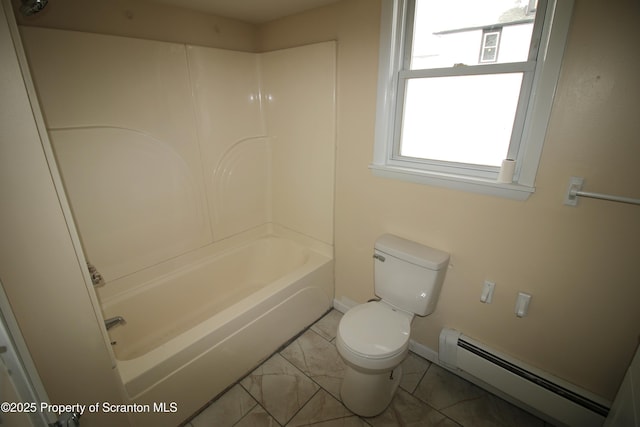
(196, 324)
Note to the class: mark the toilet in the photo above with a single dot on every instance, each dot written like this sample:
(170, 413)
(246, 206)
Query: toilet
(373, 338)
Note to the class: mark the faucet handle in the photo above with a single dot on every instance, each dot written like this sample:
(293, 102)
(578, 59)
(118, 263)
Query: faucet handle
(96, 277)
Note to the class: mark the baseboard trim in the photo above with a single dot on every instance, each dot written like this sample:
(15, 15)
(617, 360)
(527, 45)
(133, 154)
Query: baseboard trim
(423, 351)
(344, 304)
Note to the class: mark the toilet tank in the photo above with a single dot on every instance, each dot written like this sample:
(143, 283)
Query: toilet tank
(408, 275)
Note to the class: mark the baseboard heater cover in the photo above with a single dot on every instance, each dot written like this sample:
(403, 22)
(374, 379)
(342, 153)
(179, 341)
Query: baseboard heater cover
(555, 399)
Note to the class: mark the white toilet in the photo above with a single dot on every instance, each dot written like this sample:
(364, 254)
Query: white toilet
(373, 338)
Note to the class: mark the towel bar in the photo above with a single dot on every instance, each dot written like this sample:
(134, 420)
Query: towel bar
(575, 190)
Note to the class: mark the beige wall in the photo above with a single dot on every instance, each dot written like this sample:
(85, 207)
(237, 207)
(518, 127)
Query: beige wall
(578, 263)
(40, 270)
(141, 19)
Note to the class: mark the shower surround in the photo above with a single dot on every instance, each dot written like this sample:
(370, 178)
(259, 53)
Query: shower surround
(179, 161)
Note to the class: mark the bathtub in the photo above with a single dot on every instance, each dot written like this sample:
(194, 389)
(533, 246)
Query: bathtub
(198, 323)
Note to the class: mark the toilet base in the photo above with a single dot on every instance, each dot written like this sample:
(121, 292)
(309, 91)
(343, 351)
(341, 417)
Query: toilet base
(368, 394)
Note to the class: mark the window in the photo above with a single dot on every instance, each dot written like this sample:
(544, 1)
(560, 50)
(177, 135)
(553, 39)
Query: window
(490, 44)
(463, 86)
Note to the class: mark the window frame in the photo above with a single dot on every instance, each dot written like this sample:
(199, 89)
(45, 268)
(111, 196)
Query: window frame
(396, 18)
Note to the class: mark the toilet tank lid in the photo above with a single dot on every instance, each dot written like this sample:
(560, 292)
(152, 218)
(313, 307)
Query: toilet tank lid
(412, 252)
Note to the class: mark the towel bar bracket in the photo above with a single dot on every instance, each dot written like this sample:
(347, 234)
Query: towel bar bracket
(575, 185)
(575, 190)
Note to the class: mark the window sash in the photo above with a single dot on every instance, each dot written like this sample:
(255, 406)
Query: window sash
(407, 24)
(483, 171)
(469, 70)
(448, 166)
(405, 73)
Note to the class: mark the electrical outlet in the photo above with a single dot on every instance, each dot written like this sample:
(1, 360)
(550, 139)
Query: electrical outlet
(522, 304)
(487, 292)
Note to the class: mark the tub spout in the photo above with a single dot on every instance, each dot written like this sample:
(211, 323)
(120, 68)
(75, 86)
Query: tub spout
(113, 321)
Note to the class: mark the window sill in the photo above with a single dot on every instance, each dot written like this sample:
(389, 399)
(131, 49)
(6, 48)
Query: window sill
(457, 182)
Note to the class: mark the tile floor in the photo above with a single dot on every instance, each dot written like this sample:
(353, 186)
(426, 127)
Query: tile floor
(300, 386)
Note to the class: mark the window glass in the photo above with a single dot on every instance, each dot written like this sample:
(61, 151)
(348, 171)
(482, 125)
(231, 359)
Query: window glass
(447, 33)
(465, 119)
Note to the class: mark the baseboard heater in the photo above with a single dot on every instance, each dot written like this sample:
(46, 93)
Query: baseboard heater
(538, 392)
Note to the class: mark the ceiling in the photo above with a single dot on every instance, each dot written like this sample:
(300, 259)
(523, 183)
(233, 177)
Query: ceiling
(253, 11)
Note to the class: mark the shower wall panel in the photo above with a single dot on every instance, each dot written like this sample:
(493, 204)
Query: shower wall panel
(164, 148)
(233, 141)
(120, 116)
(299, 90)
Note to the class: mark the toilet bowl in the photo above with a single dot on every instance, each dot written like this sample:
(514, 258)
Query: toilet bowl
(373, 338)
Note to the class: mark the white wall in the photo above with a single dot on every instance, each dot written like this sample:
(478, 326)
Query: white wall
(625, 411)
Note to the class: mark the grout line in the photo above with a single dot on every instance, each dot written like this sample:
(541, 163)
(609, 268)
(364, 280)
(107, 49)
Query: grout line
(187, 422)
(417, 352)
(306, 403)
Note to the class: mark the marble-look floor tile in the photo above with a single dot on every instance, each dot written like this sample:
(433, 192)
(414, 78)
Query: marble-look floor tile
(406, 410)
(322, 407)
(352, 421)
(258, 417)
(491, 411)
(226, 410)
(327, 327)
(317, 358)
(413, 369)
(441, 389)
(467, 403)
(279, 387)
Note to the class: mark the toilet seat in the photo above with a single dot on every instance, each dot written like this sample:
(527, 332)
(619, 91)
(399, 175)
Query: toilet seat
(375, 331)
